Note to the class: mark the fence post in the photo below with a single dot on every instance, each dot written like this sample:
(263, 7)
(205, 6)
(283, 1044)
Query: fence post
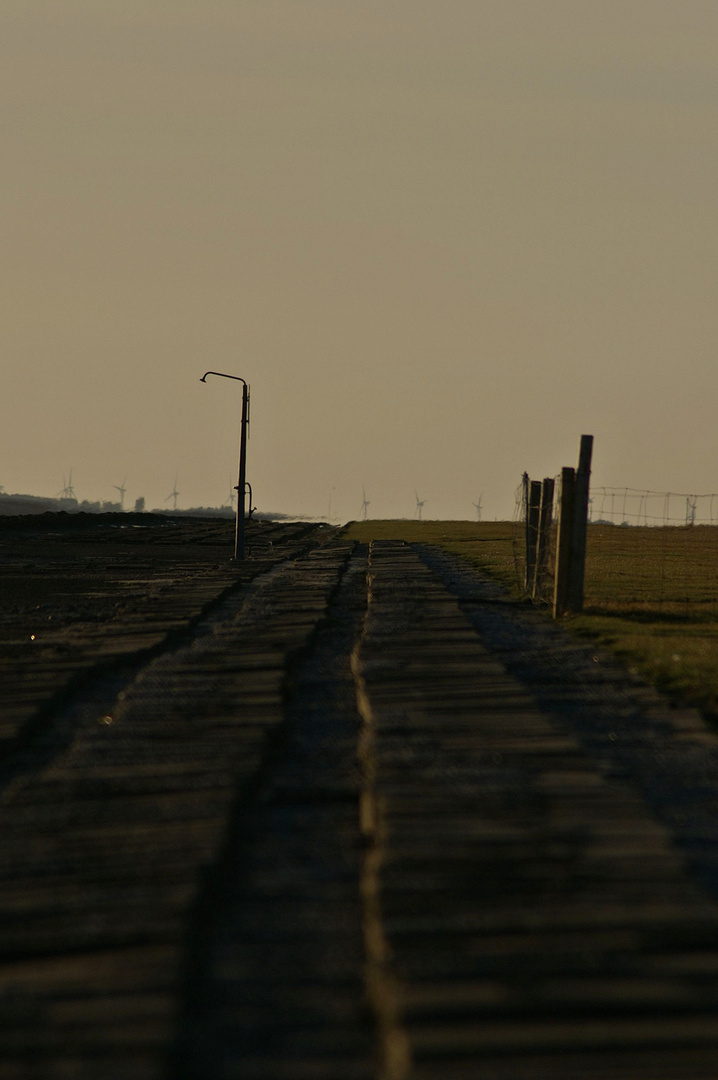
(580, 520)
(525, 491)
(532, 524)
(544, 528)
(563, 543)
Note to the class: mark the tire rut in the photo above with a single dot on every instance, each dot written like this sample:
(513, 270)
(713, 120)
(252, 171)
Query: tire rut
(274, 989)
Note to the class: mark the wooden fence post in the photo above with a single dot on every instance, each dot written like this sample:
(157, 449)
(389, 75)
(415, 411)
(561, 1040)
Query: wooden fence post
(580, 521)
(544, 529)
(525, 485)
(563, 543)
(532, 524)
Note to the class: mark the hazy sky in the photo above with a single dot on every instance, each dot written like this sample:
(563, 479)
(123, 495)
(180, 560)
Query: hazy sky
(440, 238)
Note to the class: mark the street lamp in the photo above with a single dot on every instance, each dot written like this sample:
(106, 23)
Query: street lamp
(241, 483)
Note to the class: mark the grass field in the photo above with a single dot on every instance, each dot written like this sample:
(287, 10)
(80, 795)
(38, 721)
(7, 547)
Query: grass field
(651, 594)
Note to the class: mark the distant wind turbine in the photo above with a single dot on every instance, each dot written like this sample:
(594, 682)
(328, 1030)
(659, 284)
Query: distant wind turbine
(173, 495)
(122, 489)
(419, 505)
(229, 501)
(365, 502)
(477, 506)
(691, 508)
(68, 492)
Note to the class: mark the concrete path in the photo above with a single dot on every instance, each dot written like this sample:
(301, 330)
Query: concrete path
(318, 829)
(531, 916)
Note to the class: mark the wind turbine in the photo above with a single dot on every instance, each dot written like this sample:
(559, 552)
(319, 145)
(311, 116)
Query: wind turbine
(365, 502)
(477, 505)
(229, 501)
(419, 504)
(173, 495)
(691, 507)
(122, 489)
(68, 492)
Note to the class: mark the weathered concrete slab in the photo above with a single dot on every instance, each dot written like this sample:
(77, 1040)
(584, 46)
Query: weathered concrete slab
(519, 892)
(301, 820)
(118, 799)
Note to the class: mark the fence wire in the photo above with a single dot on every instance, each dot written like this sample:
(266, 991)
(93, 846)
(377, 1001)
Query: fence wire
(630, 506)
(648, 553)
(540, 587)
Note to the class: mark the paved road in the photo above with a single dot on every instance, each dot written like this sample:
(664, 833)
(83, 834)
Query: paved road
(342, 813)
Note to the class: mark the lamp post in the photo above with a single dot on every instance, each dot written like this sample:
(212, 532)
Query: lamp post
(241, 482)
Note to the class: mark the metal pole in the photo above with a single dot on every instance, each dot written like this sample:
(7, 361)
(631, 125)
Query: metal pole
(243, 426)
(242, 481)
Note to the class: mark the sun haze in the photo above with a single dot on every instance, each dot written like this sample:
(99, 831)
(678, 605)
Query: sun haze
(439, 239)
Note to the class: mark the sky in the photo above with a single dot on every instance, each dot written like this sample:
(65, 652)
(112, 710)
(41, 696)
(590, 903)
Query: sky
(441, 239)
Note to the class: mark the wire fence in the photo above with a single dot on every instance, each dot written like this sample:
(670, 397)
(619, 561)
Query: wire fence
(648, 554)
(630, 506)
(540, 588)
